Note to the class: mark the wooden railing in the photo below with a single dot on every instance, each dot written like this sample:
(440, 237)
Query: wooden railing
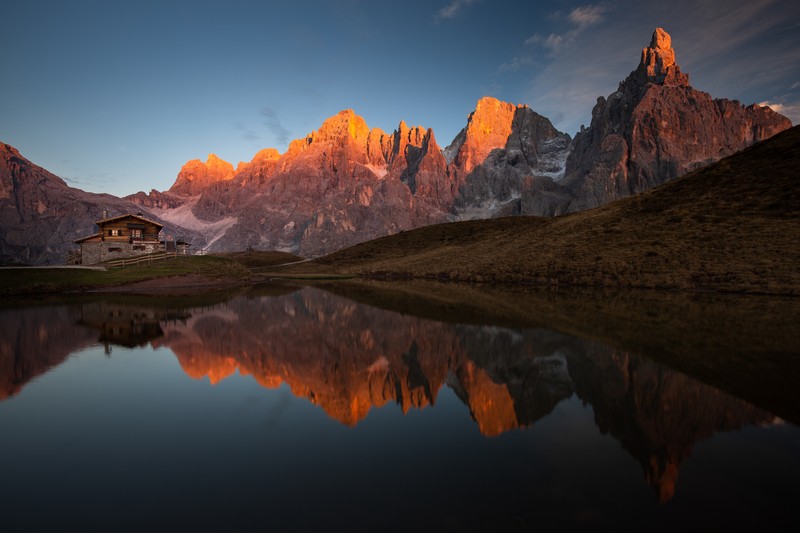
(142, 260)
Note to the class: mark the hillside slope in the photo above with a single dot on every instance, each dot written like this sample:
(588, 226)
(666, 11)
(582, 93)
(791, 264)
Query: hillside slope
(41, 216)
(731, 226)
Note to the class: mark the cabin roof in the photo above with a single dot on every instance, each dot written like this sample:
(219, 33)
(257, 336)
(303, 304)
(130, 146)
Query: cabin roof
(139, 217)
(88, 237)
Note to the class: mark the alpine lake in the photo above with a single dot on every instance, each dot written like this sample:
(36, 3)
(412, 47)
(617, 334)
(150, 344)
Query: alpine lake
(400, 407)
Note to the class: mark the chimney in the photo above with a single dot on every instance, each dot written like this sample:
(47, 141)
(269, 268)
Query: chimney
(105, 214)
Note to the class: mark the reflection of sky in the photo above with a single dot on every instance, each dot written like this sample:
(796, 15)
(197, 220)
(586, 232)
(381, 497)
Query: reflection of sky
(137, 423)
(117, 96)
(133, 436)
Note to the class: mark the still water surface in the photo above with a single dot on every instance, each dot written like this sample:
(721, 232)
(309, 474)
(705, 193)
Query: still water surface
(301, 410)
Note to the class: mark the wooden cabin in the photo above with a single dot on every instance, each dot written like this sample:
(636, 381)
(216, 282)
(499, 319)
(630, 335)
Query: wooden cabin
(124, 236)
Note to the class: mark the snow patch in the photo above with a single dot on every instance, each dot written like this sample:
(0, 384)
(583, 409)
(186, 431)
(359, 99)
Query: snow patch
(183, 216)
(486, 209)
(381, 364)
(379, 171)
(452, 149)
(553, 159)
(449, 153)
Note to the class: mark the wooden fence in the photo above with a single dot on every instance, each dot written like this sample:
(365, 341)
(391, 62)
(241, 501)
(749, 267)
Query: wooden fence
(142, 260)
(72, 257)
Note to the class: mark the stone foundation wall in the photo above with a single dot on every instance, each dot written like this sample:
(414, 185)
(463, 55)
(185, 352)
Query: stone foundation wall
(98, 252)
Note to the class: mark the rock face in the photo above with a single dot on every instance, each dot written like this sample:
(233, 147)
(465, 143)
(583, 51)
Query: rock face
(195, 175)
(156, 200)
(656, 127)
(346, 183)
(342, 184)
(505, 162)
(40, 215)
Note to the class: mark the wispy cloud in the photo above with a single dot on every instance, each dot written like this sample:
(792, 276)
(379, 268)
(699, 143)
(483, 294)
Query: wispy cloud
(777, 107)
(517, 63)
(580, 19)
(273, 123)
(788, 106)
(586, 16)
(451, 10)
(98, 181)
(247, 133)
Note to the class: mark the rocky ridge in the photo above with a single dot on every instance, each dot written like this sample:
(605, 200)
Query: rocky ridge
(342, 184)
(346, 183)
(656, 127)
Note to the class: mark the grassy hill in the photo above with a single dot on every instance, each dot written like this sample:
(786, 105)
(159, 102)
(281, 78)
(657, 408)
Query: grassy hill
(731, 226)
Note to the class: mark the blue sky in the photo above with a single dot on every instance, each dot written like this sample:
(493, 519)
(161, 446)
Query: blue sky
(114, 96)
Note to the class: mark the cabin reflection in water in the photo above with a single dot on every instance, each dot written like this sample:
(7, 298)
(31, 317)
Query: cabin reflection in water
(128, 325)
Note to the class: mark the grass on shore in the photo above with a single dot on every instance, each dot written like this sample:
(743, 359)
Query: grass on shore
(255, 260)
(22, 281)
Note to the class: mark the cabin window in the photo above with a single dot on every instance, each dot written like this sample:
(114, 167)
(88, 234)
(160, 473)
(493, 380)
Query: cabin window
(115, 249)
(114, 233)
(136, 233)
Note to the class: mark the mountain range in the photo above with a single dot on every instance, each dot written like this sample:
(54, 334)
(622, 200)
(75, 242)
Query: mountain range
(347, 183)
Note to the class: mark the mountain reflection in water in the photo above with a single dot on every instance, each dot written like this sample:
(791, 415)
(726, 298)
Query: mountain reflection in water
(348, 358)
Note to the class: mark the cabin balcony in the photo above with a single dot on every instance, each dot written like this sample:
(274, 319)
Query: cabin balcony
(149, 238)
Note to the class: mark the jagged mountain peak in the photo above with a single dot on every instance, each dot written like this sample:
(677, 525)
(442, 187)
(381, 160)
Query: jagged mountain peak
(657, 63)
(345, 123)
(488, 128)
(196, 175)
(8, 149)
(656, 127)
(267, 154)
(213, 159)
(661, 40)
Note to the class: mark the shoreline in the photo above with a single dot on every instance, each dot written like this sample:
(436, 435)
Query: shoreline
(194, 283)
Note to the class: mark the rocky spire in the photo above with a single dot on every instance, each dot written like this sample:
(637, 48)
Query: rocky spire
(658, 62)
(656, 127)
